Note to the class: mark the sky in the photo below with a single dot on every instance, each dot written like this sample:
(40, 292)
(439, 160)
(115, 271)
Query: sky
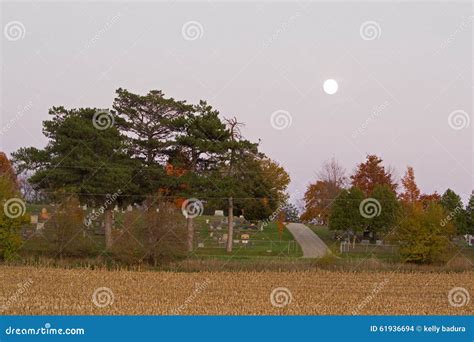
(404, 74)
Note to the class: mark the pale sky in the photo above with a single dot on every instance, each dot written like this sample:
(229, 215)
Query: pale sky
(404, 72)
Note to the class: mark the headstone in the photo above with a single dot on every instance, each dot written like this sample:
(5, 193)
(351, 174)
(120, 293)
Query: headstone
(34, 219)
(200, 245)
(236, 241)
(116, 208)
(379, 242)
(219, 213)
(207, 221)
(211, 234)
(84, 207)
(245, 236)
(129, 208)
(39, 225)
(219, 228)
(365, 242)
(44, 214)
(224, 236)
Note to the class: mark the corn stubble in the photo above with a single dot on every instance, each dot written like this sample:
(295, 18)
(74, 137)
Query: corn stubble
(70, 291)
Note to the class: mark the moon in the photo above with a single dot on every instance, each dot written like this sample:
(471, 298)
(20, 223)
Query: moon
(330, 86)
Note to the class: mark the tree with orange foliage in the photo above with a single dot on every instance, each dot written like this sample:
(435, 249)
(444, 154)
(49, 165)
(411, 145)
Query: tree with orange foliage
(411, 193)
(6, 169)
(318, 198)
(426, 199)
(320, 195)
(370, 174)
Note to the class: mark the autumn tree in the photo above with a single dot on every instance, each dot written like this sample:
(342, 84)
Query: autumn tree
(320, 195)
(12, 211)
(6, 170)
(371, 173)
(65, 230)
(427, 199)
(411, 193)
(422, 236)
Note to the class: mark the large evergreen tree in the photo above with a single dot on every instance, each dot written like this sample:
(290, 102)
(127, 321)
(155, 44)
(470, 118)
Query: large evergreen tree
(83, 160)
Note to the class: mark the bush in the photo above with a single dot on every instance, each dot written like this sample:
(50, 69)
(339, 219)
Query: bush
(423, 235)
(65, 231)
(155, 235)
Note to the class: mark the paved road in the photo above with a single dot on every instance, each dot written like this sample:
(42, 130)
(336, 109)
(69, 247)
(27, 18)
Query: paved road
(311, 244)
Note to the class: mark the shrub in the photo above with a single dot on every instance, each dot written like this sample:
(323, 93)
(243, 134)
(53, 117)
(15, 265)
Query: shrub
(423, 234)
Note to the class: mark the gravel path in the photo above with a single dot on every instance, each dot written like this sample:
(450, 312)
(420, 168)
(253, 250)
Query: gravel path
(311, 244)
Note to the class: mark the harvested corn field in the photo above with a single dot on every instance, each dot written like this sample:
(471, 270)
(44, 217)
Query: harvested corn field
(28, 290)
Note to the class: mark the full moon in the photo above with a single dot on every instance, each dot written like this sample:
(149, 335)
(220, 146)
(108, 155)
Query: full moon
(330, 86)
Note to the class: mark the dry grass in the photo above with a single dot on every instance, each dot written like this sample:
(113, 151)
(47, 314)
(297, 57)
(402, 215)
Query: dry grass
(29, 290)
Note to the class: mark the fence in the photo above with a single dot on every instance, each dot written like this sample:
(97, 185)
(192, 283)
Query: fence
(347, 247)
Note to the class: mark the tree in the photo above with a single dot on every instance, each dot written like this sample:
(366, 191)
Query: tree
(232, 168)
(470, 215)
(411, 192)
(275, 177)
(422, 236)
(197, 151)
(388, 213)
(454, 210)
(345, 213)
(427, 199)
(12, 213)
(291, 213)
(82, 160)
(320, 195)
(372, 173)
(148, 123)
(333, 173)
(6, 170)
(262, 187)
